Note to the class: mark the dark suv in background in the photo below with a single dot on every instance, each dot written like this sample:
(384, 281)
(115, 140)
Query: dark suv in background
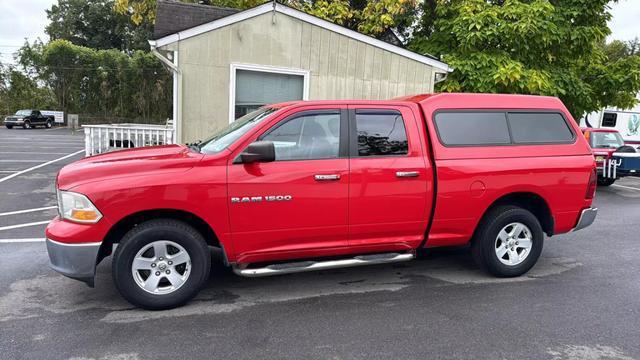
(28, 119)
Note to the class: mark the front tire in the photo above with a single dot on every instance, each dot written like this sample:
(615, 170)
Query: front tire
(26, 124)
(9, 126)
(508, 241)
(49, 124)
(161, 264)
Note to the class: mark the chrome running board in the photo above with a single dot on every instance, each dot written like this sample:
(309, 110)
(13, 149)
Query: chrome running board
(302, 266)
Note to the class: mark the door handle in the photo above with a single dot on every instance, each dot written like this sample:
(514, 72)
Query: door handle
(328, 177)
(404, 174)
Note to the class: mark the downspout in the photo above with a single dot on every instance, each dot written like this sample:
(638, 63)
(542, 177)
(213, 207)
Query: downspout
(439, 77)
(177, 89)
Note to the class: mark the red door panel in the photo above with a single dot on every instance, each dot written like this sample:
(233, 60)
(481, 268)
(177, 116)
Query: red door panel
(390, 196)
(311, 213)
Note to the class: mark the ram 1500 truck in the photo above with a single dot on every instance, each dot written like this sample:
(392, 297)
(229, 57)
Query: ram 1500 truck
(312, 185)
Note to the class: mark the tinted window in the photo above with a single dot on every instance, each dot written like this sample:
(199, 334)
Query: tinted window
(470, 128)
(609, 119)
(381, 133)
(307, 137)
(539, 128)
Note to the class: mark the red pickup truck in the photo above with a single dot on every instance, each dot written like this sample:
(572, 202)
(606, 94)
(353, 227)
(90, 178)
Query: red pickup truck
(315, 185)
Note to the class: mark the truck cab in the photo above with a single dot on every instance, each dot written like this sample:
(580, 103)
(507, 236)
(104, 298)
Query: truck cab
(311, 185)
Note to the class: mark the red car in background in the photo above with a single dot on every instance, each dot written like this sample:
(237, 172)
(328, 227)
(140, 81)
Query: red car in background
(604, 143)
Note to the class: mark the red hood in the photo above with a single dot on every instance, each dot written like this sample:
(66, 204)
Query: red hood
(134, 162)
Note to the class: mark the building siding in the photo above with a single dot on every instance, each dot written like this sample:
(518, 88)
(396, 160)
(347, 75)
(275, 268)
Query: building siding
(340, 67)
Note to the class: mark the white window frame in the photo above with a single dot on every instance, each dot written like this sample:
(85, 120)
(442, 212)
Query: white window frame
(262, 68)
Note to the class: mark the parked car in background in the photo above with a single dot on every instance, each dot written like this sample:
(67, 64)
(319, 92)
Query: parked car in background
(29, 119)
(625, 121)
(614, 159)
(303, 186)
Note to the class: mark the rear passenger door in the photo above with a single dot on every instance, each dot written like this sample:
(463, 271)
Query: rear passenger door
(391, 183)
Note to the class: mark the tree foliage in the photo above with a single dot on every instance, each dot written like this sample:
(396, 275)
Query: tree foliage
(531, 47)
(95, 24)
(371, 17)
(18, 91)
(101, 83)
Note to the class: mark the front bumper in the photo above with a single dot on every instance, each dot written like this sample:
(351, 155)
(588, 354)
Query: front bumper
(587, 217)
(14, 122)
(77, 261)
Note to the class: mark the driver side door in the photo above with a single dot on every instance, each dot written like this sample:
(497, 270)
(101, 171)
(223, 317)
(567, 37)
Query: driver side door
(296, 205)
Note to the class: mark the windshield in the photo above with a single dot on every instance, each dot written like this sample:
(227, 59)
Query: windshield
(234, 131)
(606, 140)
(23, 112)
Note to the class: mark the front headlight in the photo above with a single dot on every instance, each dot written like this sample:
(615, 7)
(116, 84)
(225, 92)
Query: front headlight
(77, 207)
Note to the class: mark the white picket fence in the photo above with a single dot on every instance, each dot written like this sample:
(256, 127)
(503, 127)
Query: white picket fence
(99, 139)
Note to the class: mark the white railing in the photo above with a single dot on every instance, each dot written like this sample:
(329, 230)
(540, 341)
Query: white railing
(99, 139)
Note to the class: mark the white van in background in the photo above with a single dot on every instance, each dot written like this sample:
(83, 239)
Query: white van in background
(627, 122)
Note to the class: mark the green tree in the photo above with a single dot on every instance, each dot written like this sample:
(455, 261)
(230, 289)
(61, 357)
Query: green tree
(18, 91)
(97, 25)
(373, 17)
(533, 47)
(618, 49)
(100, 83)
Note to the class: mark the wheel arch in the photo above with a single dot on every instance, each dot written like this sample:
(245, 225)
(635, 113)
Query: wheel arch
(128, 222)
(530, 201)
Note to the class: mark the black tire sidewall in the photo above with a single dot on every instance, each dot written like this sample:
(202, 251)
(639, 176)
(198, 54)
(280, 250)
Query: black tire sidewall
(49, 124)
(489, 232)
(27, 125)
(136, 239)
(605, 181)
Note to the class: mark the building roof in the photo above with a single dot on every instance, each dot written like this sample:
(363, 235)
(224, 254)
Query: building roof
(175, 16)
(178, 21)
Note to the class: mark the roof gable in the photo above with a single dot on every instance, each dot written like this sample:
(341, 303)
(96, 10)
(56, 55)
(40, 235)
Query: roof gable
(279, 8)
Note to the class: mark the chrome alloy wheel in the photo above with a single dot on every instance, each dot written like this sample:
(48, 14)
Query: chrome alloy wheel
(161, 267)
(513, 244)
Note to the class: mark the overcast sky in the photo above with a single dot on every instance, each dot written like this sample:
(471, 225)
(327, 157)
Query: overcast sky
(20, 19)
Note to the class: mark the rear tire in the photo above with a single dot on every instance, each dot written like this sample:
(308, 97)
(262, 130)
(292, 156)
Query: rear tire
(508, 241)
(605, 181)
(192, 271)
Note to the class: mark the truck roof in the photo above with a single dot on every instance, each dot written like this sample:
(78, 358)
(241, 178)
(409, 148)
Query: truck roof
(451, 100)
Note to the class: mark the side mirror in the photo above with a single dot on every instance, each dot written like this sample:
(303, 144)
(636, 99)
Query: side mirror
(258, 151)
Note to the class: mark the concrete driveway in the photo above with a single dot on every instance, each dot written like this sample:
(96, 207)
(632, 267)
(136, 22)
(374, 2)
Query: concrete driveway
(581, 301)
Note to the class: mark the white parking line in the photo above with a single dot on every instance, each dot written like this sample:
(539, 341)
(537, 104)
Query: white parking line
(32, 153)
(19, 161)
(24, 225)
(39, 166)
(40, 147)
(43, 142)
(27, 240)
(626, 187)
(27, 210)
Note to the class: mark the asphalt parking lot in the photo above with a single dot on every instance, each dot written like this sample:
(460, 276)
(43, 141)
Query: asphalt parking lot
(581, 301)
